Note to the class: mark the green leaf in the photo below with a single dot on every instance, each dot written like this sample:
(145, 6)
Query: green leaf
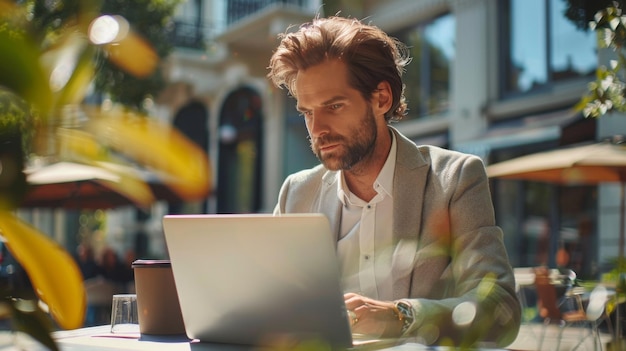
(30, 319)
(82, 75)
(21, 72)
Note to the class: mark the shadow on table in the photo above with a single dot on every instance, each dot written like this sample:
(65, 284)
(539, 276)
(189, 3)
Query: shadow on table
(202, 346)
(198, 346)
(165, 338)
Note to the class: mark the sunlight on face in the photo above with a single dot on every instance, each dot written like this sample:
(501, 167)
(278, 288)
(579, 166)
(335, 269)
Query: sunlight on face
(356, 147)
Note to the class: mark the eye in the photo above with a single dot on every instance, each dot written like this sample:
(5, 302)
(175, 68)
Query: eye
(306, 113)
(334, 107)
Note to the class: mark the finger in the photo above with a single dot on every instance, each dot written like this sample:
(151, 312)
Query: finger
(361, 309)
(349, 295)
(354, 303)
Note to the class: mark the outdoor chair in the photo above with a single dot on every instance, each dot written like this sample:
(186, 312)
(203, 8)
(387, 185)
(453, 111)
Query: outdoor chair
(524, 280)
(568, 311)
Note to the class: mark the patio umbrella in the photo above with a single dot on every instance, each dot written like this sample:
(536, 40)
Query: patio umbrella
(591, 164)
(80, 186)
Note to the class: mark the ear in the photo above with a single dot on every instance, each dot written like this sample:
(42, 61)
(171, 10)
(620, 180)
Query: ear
(382, 98)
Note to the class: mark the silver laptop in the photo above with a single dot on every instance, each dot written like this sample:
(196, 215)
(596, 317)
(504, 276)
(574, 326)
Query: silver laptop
(257, 279)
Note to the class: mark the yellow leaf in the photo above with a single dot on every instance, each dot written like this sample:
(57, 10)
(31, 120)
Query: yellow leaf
(133, 188)
(158, 146)
(54, 274)
(82, 146)
(75, 144)
(134, 55)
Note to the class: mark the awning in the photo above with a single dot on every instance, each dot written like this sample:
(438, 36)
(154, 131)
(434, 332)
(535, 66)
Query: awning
(520, 131)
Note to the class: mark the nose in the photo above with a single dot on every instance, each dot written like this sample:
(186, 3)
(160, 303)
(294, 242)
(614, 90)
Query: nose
(317, 125)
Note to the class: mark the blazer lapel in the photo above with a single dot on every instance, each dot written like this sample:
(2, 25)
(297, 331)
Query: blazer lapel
(410, 177)
(329, 203)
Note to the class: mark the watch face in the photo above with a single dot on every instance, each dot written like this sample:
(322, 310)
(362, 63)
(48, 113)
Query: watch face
(405, 309)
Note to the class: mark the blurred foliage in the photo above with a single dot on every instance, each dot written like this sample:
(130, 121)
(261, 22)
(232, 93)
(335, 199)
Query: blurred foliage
(52, 53)
(581, 12)
(16, 118)
(152, 20)
(616, 274)
(606, 93)
(16, 134)
(149, 19)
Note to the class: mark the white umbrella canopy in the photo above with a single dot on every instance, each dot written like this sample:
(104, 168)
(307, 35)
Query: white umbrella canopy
(603, 162)
(74, 185)
(591, 164)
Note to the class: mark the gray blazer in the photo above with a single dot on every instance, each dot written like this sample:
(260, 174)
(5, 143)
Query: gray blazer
(448, 249)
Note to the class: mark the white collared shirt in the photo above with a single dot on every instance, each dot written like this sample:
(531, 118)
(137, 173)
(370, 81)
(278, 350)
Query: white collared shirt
(365, 246)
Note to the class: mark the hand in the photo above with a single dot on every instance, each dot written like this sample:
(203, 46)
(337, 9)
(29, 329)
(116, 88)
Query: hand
(372, 317)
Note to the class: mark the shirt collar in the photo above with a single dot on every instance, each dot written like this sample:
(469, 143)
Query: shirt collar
(384, 181)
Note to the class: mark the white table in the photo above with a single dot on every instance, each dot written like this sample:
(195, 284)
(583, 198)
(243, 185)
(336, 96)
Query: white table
(100, 339)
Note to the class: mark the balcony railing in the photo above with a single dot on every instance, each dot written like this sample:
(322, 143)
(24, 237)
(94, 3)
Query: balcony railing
(195, 35)
(188, 35)
(238, 9)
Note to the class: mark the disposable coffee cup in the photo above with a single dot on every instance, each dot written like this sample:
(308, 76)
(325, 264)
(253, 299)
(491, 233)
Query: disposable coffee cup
(157, 300)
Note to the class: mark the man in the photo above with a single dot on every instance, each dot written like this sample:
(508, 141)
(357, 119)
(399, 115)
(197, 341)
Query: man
(420, 253)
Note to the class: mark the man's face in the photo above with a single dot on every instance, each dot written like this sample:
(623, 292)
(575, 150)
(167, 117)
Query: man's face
(357, 147)
(341, 124)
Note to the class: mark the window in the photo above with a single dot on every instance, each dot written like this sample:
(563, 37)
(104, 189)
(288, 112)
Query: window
(542, 47)
(427, 77)
(240, 169)
(188, 25)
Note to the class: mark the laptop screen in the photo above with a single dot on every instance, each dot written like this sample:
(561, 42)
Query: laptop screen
(257, 279)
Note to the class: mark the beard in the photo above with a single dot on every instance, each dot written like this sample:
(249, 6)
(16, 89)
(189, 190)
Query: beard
(353, 149)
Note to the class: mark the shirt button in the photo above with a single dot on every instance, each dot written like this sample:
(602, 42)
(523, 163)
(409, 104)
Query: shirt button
(366, 257)
(369, 207)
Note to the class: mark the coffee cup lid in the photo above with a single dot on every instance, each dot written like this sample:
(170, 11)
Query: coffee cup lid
(151, 263)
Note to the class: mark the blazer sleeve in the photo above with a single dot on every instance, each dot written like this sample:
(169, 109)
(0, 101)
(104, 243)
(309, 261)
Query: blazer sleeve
(475, 299)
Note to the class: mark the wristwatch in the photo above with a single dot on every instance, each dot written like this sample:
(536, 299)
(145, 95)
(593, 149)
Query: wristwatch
(405, 314)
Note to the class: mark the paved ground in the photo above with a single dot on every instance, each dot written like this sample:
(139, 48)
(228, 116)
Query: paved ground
(530, 335)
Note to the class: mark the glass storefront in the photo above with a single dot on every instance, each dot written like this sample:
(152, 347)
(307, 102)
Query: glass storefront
(540, 46)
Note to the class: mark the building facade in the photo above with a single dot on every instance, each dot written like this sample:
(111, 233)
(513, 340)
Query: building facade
(495, 78)
(498, 79)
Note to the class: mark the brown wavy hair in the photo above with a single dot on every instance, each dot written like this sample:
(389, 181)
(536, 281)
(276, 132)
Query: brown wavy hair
(370, 54)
